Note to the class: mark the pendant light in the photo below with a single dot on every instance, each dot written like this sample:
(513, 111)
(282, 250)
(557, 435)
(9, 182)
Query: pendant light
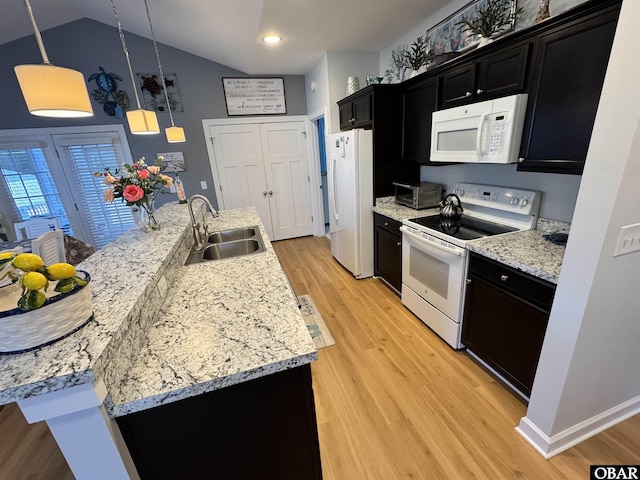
(141, 122)
(51, 91)
(174, 134)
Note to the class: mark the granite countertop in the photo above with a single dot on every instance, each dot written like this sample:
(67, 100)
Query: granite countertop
(248, 320)
(526, 251)
(222, 322)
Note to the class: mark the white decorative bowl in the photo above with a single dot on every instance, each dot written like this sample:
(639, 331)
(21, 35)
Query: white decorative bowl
(60, 316)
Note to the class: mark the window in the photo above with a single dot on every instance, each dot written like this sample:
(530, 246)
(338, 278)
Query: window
(50, 174)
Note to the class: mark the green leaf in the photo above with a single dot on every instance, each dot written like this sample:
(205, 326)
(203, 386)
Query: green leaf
(66, 285)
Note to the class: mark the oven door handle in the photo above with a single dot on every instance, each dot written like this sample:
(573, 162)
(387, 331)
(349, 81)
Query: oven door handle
(458, 252)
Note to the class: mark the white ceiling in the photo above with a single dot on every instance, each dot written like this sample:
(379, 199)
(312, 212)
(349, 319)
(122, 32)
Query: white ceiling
(230, 31)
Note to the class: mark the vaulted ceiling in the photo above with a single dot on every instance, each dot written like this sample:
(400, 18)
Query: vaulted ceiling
(230, 31)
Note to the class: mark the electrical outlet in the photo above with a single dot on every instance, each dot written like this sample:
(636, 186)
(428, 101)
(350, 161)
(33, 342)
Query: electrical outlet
(629, 240)
(203, 185)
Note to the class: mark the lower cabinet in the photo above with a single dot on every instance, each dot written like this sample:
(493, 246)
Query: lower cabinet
(387, 262)
(262, 428)
(505, 319)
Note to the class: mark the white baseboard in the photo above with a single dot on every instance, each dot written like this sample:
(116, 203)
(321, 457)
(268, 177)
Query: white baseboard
(550, 446)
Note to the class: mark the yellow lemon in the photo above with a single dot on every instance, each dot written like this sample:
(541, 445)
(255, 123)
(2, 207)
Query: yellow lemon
(28, 261)
(6, 255)
(34, 281)
(60, 271)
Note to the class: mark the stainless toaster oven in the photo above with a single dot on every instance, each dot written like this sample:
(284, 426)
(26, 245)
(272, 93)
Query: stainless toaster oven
(418, 195)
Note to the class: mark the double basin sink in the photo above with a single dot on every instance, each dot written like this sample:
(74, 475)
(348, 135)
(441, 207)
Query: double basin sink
(236, 242)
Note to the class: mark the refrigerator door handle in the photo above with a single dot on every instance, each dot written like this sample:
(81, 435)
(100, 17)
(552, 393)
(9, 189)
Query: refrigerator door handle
(335, 190)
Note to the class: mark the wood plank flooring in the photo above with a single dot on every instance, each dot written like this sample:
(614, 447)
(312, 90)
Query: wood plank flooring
(393, 400)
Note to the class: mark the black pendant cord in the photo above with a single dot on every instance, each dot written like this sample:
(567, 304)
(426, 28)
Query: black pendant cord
(155, 46)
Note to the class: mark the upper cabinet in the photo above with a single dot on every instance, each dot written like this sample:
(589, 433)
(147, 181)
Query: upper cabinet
(571, 61)
(356, 111)
(497, 74)
(419, 102)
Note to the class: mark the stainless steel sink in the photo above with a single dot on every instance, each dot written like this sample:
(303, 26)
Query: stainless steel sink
(231, 235)
(236, 242)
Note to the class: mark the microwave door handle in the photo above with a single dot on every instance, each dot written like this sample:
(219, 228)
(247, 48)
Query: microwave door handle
(402, 185)
(458, 252)
(481, 140)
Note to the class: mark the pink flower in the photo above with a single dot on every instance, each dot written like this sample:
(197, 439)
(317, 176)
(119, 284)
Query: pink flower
(108, 195)
(166, 179)
(132, 193)
(154, 169)
(109, 179)
(143, 174)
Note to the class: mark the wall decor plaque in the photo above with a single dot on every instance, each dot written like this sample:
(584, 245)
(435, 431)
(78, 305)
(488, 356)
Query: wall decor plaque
(254, 96)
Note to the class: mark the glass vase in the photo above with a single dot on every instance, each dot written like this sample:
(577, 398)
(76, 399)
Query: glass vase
(144, 215)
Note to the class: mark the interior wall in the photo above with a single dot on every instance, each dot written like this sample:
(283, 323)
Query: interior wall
(317, 88)
(340, 66)
(589, 362)
(559, 192)
(86, 45)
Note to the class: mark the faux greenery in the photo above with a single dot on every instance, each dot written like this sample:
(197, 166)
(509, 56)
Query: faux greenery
(489, 19)
(416, 56)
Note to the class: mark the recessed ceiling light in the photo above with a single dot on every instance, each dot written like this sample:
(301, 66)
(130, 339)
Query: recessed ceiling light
(271, 39)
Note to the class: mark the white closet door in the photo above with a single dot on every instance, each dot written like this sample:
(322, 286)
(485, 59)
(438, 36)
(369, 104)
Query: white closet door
(285, 164)
(240, 166)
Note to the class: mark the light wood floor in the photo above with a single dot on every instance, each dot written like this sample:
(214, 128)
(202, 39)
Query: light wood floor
(393, 401)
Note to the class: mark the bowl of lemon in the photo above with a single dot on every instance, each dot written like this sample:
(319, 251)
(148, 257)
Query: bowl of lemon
(40, 304)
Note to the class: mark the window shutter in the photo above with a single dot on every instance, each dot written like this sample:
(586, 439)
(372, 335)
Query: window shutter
(81, 156)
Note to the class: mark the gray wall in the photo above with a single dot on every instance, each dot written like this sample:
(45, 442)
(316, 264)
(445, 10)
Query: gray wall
(86, 44)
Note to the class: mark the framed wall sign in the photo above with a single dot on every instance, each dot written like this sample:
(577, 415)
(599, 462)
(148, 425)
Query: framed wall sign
(254, 96)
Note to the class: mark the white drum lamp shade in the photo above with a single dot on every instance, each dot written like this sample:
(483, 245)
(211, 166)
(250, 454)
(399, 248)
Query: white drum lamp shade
(143, 122)
(175, 134)
(51, 91)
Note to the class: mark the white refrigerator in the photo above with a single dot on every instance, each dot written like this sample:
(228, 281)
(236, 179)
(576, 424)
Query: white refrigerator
(350, 180)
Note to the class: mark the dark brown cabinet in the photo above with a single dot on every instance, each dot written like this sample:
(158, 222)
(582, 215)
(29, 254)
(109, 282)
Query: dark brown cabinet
(419, 102)
(502, 72)
(262, 428)
(505, 319)
(357, 111)
(387, 262)
(571, 61)
(379, 108)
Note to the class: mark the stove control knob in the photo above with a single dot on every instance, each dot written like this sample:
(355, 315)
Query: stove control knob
(461, 192)
(524, 202)
(514, 201)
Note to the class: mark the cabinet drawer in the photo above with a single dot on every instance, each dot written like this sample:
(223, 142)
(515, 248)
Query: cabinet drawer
(393, 226)
(531, 289)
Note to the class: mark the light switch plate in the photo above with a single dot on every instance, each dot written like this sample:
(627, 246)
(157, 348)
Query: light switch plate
(203, 185)
(629, 240)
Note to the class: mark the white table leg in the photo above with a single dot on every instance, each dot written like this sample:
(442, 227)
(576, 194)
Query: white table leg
(89, 439)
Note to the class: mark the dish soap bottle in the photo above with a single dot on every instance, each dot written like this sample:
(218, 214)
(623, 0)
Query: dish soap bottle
(182, 197)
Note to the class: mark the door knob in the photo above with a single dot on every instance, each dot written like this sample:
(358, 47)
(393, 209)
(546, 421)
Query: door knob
(270, 192)
(264, 193)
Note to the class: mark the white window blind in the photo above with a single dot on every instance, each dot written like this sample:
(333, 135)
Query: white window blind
(81, 156)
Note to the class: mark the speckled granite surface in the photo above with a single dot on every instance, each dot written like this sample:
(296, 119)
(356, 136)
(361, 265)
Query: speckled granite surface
(222, 322)
(526, 251)
(388, 207)
(130, 296)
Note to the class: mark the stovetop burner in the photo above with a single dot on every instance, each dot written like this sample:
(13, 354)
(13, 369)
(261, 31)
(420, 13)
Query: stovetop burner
(463, 228)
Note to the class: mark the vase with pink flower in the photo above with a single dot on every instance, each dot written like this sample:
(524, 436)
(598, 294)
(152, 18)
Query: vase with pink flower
(137, 185)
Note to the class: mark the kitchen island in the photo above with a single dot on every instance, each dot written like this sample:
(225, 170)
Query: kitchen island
(162, 333)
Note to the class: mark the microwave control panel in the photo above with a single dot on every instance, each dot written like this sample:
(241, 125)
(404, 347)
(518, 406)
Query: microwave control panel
(503, 198)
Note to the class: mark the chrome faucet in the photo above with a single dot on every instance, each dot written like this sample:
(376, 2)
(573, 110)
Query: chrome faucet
(197, 234)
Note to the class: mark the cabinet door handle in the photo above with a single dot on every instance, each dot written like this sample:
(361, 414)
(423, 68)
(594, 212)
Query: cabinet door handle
(352, 120)
(504, 278)
(521, 159)
(468, 94)
(480, 91)
(468, 281)
(386, 224)
(399, 244)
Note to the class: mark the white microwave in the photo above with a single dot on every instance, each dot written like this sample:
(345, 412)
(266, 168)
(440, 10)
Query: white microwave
(483, 132)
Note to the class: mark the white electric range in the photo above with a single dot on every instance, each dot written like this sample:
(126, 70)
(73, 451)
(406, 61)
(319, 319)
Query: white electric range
(434, 254)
